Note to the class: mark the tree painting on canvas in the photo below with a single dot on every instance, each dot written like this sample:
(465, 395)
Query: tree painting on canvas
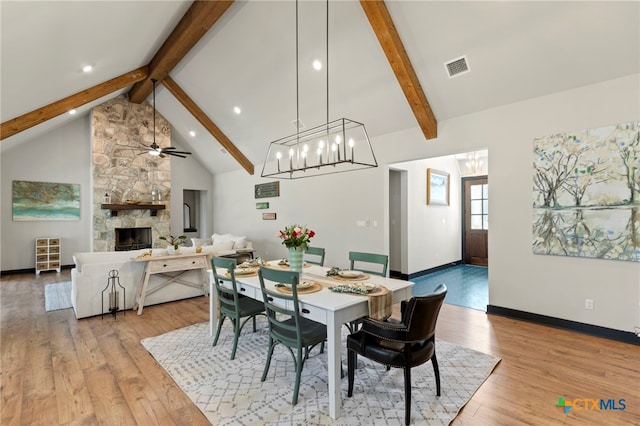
(586, 193)
(45, 201)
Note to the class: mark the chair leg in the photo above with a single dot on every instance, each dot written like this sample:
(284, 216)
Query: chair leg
(254, 323)
(436, 372)
(268, 363)
(220, 321)
(407, 395)
(236, 336)
(351, 366)
(299, 365)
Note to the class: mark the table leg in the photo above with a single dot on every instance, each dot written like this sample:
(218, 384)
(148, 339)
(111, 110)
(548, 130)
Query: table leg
(142, 291)
(335, 361)
(212, 305)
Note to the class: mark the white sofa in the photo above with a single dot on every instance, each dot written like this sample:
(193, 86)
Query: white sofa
(91, 273)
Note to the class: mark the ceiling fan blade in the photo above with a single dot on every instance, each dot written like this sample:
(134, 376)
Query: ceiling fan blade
(175, 154)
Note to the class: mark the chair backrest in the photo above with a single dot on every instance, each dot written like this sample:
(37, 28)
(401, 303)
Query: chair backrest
(225, 284)
(420, 314)
(315, 251)
(381, 259)
(281, 306)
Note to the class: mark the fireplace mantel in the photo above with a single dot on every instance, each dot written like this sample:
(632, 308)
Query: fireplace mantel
(115, 208)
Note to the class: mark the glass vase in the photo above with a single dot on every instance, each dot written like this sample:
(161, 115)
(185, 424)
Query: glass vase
(296, 255)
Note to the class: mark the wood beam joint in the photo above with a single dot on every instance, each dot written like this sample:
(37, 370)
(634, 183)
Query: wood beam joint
(389, 39)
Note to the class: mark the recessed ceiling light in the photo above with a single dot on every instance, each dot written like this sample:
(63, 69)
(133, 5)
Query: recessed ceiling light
(87, 68)
(73, 111)
(317, 65)
(192, 134)
(237, 110)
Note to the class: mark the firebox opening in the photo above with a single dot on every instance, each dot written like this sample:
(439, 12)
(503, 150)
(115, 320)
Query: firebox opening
(132, 238)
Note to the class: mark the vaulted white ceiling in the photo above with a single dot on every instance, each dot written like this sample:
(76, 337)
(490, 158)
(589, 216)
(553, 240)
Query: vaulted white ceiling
(516, 50)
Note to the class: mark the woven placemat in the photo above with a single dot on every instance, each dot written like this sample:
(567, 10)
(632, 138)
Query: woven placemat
(313, 288)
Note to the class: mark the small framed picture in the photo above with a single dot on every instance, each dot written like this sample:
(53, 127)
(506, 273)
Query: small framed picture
(262, 206)
(437, 187)
(268, 216)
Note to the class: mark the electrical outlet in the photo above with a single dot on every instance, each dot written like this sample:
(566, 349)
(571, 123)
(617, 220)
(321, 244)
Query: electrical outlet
(588, 304)
(637, 328)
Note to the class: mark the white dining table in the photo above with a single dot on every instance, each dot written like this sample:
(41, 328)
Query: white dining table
(326, 307)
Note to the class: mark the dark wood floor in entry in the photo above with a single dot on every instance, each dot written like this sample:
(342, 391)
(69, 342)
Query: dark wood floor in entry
(58, 370)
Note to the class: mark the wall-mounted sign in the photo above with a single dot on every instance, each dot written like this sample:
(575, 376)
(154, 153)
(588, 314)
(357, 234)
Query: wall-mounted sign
(262, 206)
(266, 190)
(268, 216)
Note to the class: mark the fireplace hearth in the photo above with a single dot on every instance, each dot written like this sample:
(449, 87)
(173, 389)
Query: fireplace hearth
(132, 238)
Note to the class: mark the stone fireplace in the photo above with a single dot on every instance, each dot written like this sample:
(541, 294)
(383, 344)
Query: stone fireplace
(123, 170)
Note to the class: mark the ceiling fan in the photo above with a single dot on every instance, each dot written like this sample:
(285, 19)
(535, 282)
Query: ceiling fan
(155, 149)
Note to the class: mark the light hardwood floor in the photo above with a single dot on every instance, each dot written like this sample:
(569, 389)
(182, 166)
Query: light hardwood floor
(58, 370)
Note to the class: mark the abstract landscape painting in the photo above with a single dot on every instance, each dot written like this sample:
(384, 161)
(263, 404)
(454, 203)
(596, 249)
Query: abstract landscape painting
(45, 201)
(586, 193)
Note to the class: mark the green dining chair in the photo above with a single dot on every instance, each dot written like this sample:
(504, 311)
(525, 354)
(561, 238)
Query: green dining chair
(315, 251)
(233, 305)
(286, 324)
(381, 259)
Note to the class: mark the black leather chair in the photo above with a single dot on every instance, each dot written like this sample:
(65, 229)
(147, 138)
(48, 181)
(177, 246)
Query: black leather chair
(406, 344)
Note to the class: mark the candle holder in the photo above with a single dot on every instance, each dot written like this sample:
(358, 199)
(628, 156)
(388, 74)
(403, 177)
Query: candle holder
(113, 282)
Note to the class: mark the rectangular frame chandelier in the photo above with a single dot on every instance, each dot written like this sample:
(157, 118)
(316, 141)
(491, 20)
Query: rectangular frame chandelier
(338, 146)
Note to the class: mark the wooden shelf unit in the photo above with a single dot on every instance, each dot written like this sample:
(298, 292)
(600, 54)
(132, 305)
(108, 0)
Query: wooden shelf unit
(115, 208)
(47, 254)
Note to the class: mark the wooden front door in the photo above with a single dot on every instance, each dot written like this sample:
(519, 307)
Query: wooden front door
(476, 221)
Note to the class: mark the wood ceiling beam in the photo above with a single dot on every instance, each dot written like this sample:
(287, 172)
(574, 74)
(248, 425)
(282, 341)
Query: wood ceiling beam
(203, 119)
(192, 27)
(391, 44)
(40, 115)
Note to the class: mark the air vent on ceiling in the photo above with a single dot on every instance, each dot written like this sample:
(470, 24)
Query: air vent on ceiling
(298, 124)
(457, 66)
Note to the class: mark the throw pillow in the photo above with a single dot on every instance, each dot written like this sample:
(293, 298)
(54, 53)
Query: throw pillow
(225, 246)
(199, 242)
(220, 238)
(239, 242)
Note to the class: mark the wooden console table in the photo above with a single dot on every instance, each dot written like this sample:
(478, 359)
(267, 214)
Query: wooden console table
(162, 265)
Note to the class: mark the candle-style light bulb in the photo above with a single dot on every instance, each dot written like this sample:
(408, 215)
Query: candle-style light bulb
(291, 152)
(304, 158)
(320, 149)
(278, 157)
(334, 148)
(338, 140)
(351, 144)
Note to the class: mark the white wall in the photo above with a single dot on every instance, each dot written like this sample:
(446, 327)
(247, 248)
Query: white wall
(434, 232)
(64, 155)
(547, 285)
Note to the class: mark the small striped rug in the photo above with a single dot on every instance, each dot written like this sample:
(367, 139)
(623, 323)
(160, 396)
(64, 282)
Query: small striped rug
(57, 296)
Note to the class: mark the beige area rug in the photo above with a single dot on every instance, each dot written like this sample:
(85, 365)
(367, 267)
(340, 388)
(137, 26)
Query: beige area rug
(57, 296)
(231, 393)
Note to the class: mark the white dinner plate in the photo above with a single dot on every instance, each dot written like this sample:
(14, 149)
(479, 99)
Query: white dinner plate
(302, 284)
(349, 274)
